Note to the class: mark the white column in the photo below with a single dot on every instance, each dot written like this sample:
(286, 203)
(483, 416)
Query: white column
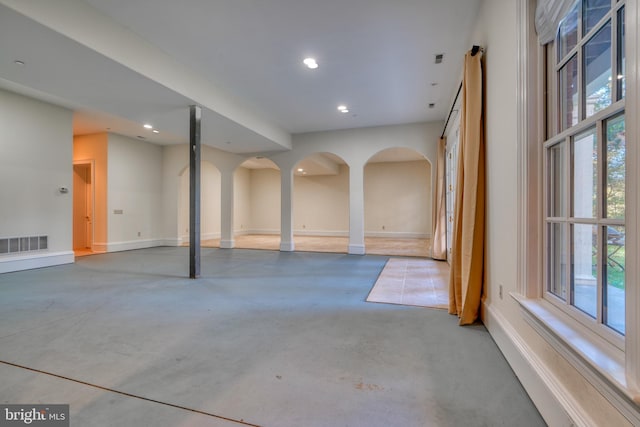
(356, 209)
(226, 215)
(286, 211)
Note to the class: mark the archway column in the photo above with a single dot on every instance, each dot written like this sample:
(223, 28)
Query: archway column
(286, 211)
(227, 209)
(356, 210)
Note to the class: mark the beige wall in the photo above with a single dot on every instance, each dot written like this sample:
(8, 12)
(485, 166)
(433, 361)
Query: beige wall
(93, 148)
(265, 201)
(209, 203)
(134, 186)
(321, 204)
(242, 200)
(397, 199)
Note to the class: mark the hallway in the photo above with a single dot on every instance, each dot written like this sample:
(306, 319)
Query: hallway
(263, 338)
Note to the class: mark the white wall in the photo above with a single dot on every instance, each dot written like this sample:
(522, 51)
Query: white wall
(554, 385)
(242, 200)
(36, 149)
(209, 203)
(135, 187)
(397, 199)
(321, 204)
(265, 201)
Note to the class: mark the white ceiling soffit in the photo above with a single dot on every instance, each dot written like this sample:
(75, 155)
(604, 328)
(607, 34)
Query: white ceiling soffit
(375, 56)
(241, 59)
(105, 94)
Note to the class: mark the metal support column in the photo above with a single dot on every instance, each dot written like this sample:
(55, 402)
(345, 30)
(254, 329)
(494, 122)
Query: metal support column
(195, 117)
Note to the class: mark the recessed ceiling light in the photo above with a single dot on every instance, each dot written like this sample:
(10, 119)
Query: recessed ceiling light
(300, 170)
(141, 137)
(432, 105)
(155, 131)
(147, 126)
(311, 63)
(18, 62)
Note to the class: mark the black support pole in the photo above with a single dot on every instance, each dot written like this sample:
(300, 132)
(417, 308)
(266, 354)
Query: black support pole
(195, 117)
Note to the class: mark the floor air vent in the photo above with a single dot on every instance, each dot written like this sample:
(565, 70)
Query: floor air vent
(13, 245)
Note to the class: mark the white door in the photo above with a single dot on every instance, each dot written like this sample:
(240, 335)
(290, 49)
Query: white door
(82, 206)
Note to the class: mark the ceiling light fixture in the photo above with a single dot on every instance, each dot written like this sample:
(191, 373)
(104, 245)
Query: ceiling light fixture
(300, 170)
(343, 108)
(155, 131)
(311, 63)
(147, 126)
(18, 62)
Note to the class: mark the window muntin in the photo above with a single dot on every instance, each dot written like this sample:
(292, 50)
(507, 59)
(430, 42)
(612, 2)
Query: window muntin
(569, 93)
(585, 168)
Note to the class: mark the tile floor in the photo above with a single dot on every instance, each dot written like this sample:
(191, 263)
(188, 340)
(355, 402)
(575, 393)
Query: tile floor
(413, 281)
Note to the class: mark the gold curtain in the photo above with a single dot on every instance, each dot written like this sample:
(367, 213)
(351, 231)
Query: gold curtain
(439, 240)
(467, 258)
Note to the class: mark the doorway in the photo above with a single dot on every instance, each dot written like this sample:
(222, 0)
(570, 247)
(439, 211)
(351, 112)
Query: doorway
(83, 202)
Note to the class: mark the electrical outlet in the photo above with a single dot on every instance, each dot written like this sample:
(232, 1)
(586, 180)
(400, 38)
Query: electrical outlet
(500, 291)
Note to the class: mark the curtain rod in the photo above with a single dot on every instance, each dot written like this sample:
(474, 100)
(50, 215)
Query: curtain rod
(474, 50)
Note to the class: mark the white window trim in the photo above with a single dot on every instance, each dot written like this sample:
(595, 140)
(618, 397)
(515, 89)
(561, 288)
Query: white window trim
(613, 372)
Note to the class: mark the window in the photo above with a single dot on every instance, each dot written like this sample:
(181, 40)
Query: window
(584, 168)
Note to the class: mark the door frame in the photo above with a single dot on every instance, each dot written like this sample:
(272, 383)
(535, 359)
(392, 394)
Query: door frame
(92, 172)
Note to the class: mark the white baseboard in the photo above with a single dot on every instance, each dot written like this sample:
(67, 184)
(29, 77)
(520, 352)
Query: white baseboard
(267, 231)
(36, 260)
(397, 234)
(134, 244)
(320, 233)
(356, 249)
(553, 400)
(227, 244)
(172, 242)
(287, 246)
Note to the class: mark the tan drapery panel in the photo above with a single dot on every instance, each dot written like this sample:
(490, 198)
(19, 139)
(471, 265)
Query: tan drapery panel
(439, 240)
(467, 258)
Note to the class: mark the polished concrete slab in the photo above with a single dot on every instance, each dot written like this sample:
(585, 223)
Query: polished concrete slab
(263, 338)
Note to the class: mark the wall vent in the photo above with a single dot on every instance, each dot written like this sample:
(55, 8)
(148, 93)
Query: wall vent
(12, 245)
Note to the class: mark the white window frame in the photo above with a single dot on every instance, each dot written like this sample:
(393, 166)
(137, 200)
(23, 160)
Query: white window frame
(613, 370)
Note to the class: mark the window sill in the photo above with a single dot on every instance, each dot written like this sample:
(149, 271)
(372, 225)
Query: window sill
(602, 364)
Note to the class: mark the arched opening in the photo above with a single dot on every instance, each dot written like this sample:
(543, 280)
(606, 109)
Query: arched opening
(210, 181)
(257, 192)
(397, 203)
(321, 204)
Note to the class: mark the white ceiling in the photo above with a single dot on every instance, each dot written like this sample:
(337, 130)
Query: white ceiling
(376, 56)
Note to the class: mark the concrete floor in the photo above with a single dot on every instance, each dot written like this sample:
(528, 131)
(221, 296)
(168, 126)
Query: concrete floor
(263, 338)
